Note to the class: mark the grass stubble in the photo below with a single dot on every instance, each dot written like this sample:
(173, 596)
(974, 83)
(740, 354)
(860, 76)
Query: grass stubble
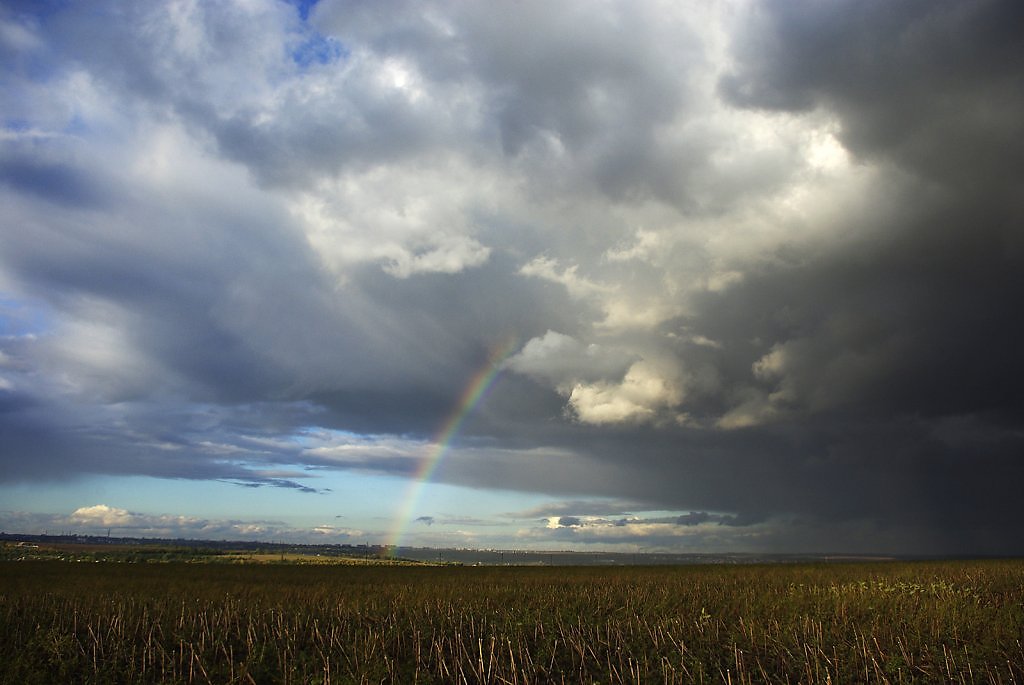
(960, 622)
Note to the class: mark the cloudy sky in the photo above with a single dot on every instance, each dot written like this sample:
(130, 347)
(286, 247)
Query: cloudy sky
(735, 276)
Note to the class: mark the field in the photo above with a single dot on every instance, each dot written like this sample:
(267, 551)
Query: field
(259, 623)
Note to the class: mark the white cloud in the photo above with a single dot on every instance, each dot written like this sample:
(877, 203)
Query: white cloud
(753, 410)
(771, 365)
(18, 37)
(641, 313)
(336, 532)
(646, 245)
(666, 531)
(410, 220)
(547, 268)
(361, 450)
(451, 256)
(97, 519)
(103, 515)
(646, 390)
(97, 357)
(561, 360)
(584, 373)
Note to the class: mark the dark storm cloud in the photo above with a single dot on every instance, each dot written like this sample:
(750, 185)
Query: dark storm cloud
(935, 85)
(928, 486)
(579, 508)
(44, 441)
(888, 364)
(915, 321)
(432, 180)
(693, 518)
(922, 304)
(260, 482)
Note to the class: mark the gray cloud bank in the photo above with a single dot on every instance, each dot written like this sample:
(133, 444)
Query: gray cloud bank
(761, 261)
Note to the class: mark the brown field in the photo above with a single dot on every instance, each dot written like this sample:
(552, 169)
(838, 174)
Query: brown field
(920, 622)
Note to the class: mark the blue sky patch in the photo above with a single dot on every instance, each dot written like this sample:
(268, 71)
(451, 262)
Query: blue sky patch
(318, 49)
(20, 318)
(303, 7)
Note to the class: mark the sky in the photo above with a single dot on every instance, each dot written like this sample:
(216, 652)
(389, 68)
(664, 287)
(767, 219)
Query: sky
(700, 276)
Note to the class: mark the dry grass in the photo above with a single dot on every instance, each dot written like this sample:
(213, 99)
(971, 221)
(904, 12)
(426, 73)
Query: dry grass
(177, 623)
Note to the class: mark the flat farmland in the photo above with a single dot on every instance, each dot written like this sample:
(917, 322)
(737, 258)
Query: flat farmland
(259, 623)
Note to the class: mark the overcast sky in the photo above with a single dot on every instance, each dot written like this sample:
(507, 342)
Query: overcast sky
(761, 266)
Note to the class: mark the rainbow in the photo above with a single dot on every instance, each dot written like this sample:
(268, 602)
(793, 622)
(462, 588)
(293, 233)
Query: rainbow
(471, 396)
